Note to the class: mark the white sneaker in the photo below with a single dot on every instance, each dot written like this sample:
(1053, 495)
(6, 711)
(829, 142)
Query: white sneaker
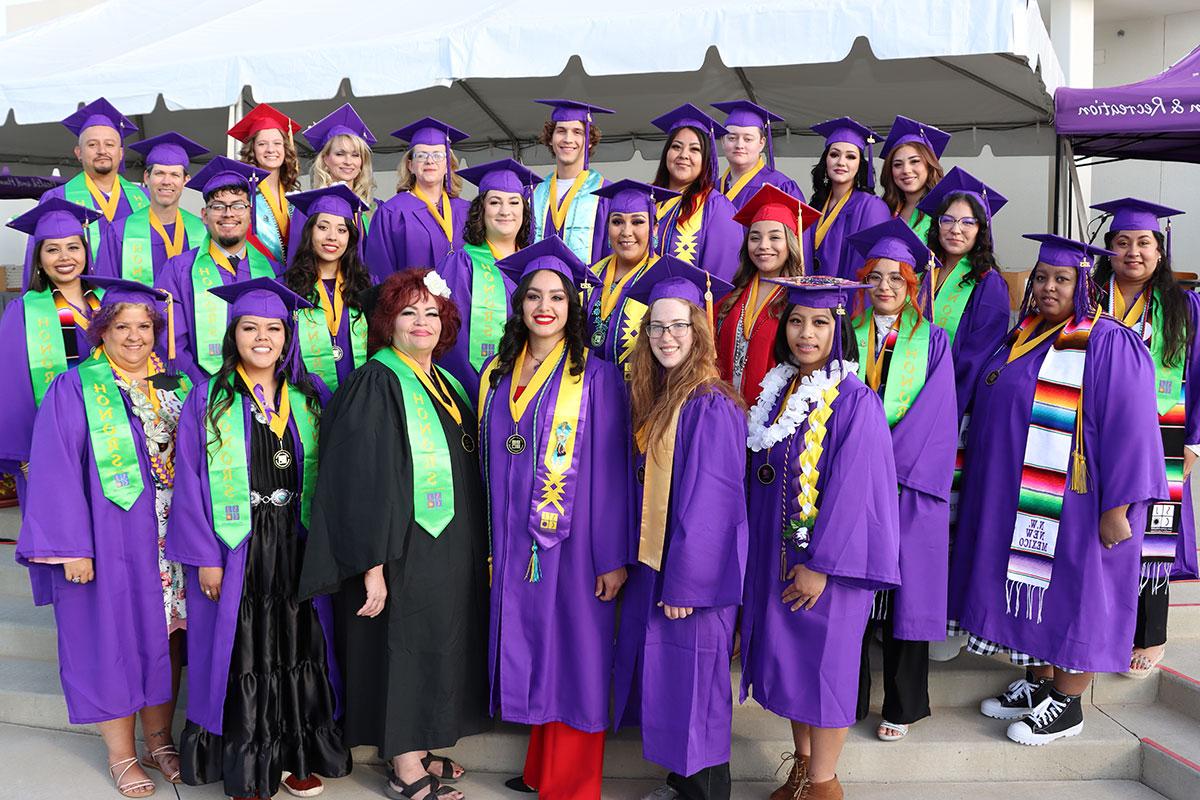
(1053, 719)
(663, 792)
(1017, 701)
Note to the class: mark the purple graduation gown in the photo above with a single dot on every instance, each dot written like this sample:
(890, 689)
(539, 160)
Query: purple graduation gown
(551, 652)
(804, 665)
(192, 541)
(108, 262)
(123, 211)
(672, 676)
(835, 256)
(983, 326)
(718, 242)
(600, 245)
(113, 651)
(457, 270)
(176, 278)
(403, 235)
(764, 176)
(1088, 612)
(614, 340)
(1185, 565)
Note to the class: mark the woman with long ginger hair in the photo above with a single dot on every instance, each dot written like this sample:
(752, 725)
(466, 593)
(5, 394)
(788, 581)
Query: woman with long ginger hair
(683, 595)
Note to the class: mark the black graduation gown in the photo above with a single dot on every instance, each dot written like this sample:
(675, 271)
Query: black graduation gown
(416, 675)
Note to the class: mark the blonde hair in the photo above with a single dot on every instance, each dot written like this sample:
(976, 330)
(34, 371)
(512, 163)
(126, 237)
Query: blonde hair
(364, 184)
(406, 179)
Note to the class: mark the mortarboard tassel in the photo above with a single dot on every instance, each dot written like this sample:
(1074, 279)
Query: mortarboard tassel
(708, 299)
(587, 138)
(1168, 237)
(871, 163)
(770, 147)
(533, 572)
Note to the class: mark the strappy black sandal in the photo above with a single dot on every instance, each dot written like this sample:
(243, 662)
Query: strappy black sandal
(409, 791)
(446, 764)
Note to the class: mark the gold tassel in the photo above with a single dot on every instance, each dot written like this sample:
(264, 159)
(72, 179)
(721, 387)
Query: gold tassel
(489, 572)
(1078, 460)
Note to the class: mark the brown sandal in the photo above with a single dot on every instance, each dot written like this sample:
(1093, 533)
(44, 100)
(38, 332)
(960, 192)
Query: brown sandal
(151, 761)
(134, 789)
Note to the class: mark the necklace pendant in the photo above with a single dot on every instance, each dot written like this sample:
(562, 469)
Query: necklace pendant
(992, 377)
(282, 459)
(515, 444)
(641, 474)
(766, 474)
(338, 353)
(468, 444)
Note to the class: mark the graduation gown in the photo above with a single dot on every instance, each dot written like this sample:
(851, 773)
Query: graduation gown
(113, 650)
(835, 256)
(803, 665)
(124, 209)
(1089, 608)
(763, 176)
(718, 241)
(457, 269)
(760, 350)
(589, 249)
(405, 235)
(176, 278)
(416, 675)
(672, 676)
(624, 319)
(551, 652)
(112, 248)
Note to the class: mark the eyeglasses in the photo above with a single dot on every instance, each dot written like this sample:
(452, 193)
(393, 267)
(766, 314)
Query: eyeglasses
(676, 329)
(432, 158)
(895, 280)
(947, 222)
(221, 208)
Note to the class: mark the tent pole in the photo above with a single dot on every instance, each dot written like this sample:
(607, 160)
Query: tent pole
(486, 109)
(1055, 227)
(747, 87)
(235, 114)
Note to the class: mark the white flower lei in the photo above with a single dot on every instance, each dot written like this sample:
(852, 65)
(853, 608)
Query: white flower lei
(804, 400)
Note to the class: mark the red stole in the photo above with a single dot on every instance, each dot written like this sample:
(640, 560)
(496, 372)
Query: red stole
(759, 355)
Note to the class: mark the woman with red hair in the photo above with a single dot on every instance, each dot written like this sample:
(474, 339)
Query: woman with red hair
(398, 537)
(906, 360)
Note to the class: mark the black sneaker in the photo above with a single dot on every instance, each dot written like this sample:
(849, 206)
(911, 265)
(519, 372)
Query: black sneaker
(1018, 700)
(1056, 717)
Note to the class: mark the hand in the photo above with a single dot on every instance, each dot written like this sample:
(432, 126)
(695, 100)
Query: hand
(608, 584)
(676, 612)
(1114, 527)
(376, 592)
(1189, 459)
(79, 571)
(210, 582)
(805, 589)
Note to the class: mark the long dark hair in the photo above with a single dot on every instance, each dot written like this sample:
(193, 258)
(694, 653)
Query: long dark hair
(893, 195)
(39, 281)
(697, 191)
(223, 383)
(820, 178)
(792, 265)
(981, 256)
(1176, 336)
(782, 351)
(516, 334)
(475, 231)
(301, 277)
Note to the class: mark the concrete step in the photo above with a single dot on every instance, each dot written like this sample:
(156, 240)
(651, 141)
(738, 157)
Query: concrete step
(1169, 773)
(27, 631)
(1183, 622)
(1171, 732)
(10, 522)
(14, 578)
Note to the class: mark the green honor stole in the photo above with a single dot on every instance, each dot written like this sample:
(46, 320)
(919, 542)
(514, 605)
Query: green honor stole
(317, 345)
(951, 299)
(900, 368)
(210, 317)
(137, 261)
(76, 191)
(489, 304)
(44, 346)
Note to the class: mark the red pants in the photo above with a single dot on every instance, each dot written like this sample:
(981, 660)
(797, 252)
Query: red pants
(563, 763)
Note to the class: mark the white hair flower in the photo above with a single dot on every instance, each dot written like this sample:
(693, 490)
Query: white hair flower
(437, 285)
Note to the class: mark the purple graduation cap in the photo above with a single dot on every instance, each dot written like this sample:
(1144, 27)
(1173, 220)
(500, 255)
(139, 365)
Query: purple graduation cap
(268, 298)
(823, 291)
(687, 115)
(54, 218)
(504, 175)
(574, 111)
(99, 112)
(169, 149)
(844, 129)
(670, 278)
(550, 253)
(337, 199)
(907, 131)
(1059, 251)
(428, 130)
(895, 240)
(745, 114)
(959, 181)
(119, 290)
(222, 172)
(628, 196)
(343, 122)
(1131, 214)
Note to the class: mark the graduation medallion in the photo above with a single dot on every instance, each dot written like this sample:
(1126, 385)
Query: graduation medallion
(468, 443)
(599, 334)
(338, 353)
(766, 474)
(515, 444)
(282, 459)
(992, 377)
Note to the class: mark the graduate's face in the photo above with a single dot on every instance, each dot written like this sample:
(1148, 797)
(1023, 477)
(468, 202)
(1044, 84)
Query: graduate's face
(671, 319)
(1054, 291)
(888, 289)
(63, 260)
(428, 163)
(766, 242)
(418, 327)
(227, 227)
(568, 142)
(99, 150)
(129, 338)
(343, 161)
(685, 157)
(810, 336)
(544, 309)
(743, 145)
(841, 163)
(503, 213)
(259, 341)
(165, 183)
(268, 149)
(909, 170)
(958, 228)
(1137, 255)
(330, 237)
(629, 235)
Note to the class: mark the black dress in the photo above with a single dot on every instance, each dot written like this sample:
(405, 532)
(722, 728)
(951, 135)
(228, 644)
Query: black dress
(415, 675)
(279, 705)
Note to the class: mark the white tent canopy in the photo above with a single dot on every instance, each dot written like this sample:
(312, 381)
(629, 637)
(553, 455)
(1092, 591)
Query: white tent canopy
(986, 67)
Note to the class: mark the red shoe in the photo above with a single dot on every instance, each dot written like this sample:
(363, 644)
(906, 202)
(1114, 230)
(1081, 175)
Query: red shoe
(303, 787)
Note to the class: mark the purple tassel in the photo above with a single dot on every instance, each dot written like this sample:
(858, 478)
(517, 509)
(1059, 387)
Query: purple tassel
(770, 147)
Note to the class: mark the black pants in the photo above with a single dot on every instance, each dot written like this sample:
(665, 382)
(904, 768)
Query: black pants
(905, 677)
(710, 783)
(1151, 629)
